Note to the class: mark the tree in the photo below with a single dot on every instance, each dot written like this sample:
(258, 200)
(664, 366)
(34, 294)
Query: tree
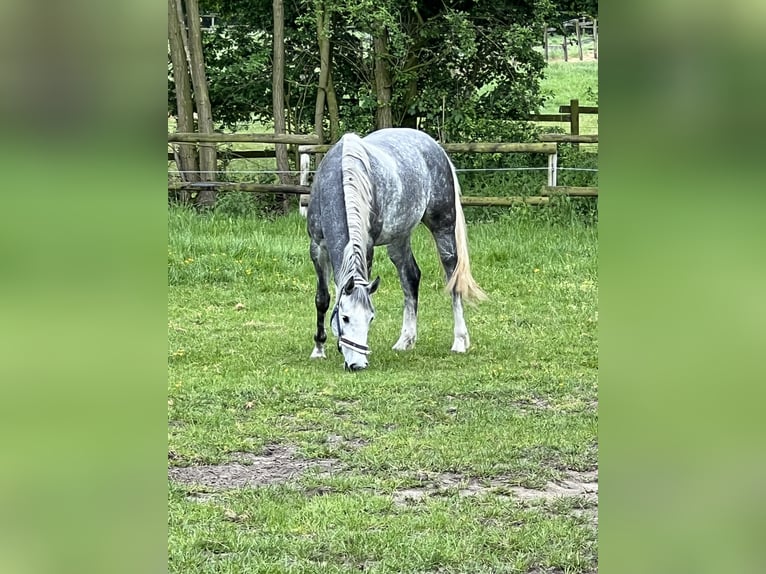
(207, 153)
(449, 64)
(448, 67)
(323, 40)
(186, 155)
(569, 9)
(278, 91)
(187, 61)
(383, 83)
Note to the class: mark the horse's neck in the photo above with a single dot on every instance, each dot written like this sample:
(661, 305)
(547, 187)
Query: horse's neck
(354, 263)
(357, 198)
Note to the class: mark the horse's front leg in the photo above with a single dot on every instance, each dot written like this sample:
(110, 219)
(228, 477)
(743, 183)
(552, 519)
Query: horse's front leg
(322, 298)
(409, 277)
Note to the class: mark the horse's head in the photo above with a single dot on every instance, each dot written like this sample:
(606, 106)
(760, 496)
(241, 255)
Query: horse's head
(351, 320)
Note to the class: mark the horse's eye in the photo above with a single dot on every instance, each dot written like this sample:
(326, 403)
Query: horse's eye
(372, 318)
(345, 318)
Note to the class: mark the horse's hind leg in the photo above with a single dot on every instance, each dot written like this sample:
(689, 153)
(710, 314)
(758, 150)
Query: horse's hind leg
(322, 266)
(447, 249)
(401, 255)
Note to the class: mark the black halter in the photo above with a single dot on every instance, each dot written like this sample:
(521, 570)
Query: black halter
(345, 342)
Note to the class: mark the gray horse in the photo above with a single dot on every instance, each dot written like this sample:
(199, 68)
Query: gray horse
(374, 191)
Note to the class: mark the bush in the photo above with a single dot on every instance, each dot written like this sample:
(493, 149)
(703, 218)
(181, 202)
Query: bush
(237, 204)
(514, 174)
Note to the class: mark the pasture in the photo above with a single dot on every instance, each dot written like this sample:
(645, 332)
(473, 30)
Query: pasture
(427, 461)
(564, 81)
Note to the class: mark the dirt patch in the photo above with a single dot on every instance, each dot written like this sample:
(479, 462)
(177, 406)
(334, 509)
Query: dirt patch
(339, 441)
(277, 464)
(532, 404)
(576, 484)
(280, 464)
(583, 484)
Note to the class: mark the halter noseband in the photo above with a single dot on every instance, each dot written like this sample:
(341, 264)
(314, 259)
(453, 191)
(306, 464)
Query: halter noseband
(343, 341)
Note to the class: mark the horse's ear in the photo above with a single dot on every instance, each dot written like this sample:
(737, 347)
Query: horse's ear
(349, 286)
(374, 285)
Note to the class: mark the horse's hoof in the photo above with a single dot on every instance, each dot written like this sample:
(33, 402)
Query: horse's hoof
(404, 344)
(461, 345)
(317, 354)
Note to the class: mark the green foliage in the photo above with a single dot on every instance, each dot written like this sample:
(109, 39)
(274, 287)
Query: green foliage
(236, 204)
(238, 65)
(569, 9)
(450, 63)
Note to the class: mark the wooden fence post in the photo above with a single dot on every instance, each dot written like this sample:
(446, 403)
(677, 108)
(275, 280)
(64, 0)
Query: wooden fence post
(595, 39)
(304, 180)
(574, 119)
(553, 162)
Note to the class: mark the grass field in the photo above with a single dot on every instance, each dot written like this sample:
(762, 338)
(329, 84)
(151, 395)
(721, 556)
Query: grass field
(427, 461)
(564, 81)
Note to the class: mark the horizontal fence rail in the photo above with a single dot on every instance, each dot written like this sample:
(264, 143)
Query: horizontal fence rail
(183, 137)
(569, 114)
(550, 117)
(568, 138)
(570, 191)
(474, 147)
(581, 109)
(483, 147)
(232, 186)
(308, 145)
(240, 154)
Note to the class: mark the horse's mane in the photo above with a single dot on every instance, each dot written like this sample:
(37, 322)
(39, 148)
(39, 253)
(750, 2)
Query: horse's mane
(357, 194)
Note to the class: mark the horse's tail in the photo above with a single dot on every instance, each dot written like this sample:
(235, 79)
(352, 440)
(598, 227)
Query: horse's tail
(462, 282)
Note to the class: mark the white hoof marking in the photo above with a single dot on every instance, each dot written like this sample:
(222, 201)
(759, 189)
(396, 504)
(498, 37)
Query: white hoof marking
(461, 344)
(404, 343)
(318, 354)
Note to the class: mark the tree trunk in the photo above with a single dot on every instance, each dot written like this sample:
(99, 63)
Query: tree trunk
(332, 107)
(383, 118)
(186, 155)
(278, 91)
(206, 197)
(413, 22)
(323, 40)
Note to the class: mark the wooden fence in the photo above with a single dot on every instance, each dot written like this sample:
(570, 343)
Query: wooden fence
(307, 146)
(580, 26)
(569, 114)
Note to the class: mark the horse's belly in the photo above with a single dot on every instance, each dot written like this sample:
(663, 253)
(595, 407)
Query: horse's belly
(401, 197)
(397, 222)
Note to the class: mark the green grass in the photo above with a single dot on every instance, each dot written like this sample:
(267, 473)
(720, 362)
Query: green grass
(566, 81)
(520, 407)
(525, 174)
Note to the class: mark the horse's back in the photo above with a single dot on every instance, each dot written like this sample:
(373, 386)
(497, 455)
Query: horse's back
(418, 157)
(411, 180)
(412, 176)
